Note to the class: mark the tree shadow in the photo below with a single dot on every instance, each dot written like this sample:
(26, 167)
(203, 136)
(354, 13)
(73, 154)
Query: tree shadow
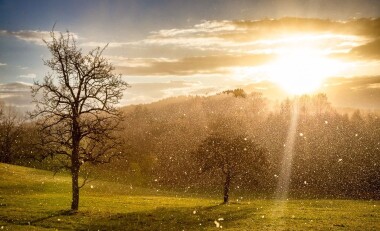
(160, 218)
(182, 218)
(56, 214)
(41, 219)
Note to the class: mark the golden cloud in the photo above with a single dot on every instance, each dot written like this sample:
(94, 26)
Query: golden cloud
(32, 36)
(213, 47)
(370, 50)
(211, 34)
(195, 65)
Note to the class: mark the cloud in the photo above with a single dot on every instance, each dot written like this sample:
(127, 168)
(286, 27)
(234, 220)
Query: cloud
(33, 36)
(205, 35)
(225, 49)
(269, 89)
(14, 87)
(103, 44)
(29, 76)
(121, 61)
(3, 64)
(356, 92)
(353, 83)
(370, 50)
(374, 85)
(17, 94)
(195, 65)
(149, 92)
(216, 47)
(251, 35)
(248, 43)
(360, 27)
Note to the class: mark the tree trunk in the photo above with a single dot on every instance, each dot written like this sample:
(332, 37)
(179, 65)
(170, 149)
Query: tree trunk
(226, 188)
(6, 149)
(75, 165)
(75, 187)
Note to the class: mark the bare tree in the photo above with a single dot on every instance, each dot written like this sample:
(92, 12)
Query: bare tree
(234, 156)
(11, 124)
(76, 107)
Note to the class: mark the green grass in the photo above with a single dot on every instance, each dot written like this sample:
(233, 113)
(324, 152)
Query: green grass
(32, 199)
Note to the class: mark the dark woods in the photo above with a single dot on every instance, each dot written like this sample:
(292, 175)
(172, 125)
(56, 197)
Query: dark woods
(232, 144)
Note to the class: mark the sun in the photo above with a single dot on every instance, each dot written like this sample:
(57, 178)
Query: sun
(301, 70)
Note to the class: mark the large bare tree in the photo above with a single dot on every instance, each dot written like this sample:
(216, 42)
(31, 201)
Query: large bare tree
(76, 107)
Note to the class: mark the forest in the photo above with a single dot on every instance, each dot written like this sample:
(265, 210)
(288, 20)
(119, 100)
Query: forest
(196, 144)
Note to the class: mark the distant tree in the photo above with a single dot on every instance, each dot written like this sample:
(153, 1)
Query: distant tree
(10, 132)
(75, 107)
(238, 92)
(232, 156)
(314, 104)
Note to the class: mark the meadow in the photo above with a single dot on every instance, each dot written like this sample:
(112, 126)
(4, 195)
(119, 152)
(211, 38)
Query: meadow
(32, 199)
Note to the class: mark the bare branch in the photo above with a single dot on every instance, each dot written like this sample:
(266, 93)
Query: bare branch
(75, 105)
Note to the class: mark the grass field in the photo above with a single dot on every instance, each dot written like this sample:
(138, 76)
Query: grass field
(33, 199)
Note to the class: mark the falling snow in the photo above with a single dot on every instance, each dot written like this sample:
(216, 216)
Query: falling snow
(192, 145)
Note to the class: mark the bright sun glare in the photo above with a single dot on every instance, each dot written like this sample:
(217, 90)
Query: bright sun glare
(301, 70)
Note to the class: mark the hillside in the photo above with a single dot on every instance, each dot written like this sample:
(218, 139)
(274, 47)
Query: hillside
(335, 153)
(32, 199)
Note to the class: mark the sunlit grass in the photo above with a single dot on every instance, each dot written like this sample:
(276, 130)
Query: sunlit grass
(29, 204)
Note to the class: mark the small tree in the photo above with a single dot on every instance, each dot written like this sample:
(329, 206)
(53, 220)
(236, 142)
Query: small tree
(238, 92)
(234, 156)
(75, 107)
(11, 124)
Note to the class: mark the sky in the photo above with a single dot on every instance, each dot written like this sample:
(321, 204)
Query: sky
(167, 48)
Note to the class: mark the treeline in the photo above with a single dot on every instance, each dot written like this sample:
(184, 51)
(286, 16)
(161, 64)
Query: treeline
(191, 143)
(17, 137)
(335, 154)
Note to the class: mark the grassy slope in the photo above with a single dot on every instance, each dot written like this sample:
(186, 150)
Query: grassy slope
(35, 200)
